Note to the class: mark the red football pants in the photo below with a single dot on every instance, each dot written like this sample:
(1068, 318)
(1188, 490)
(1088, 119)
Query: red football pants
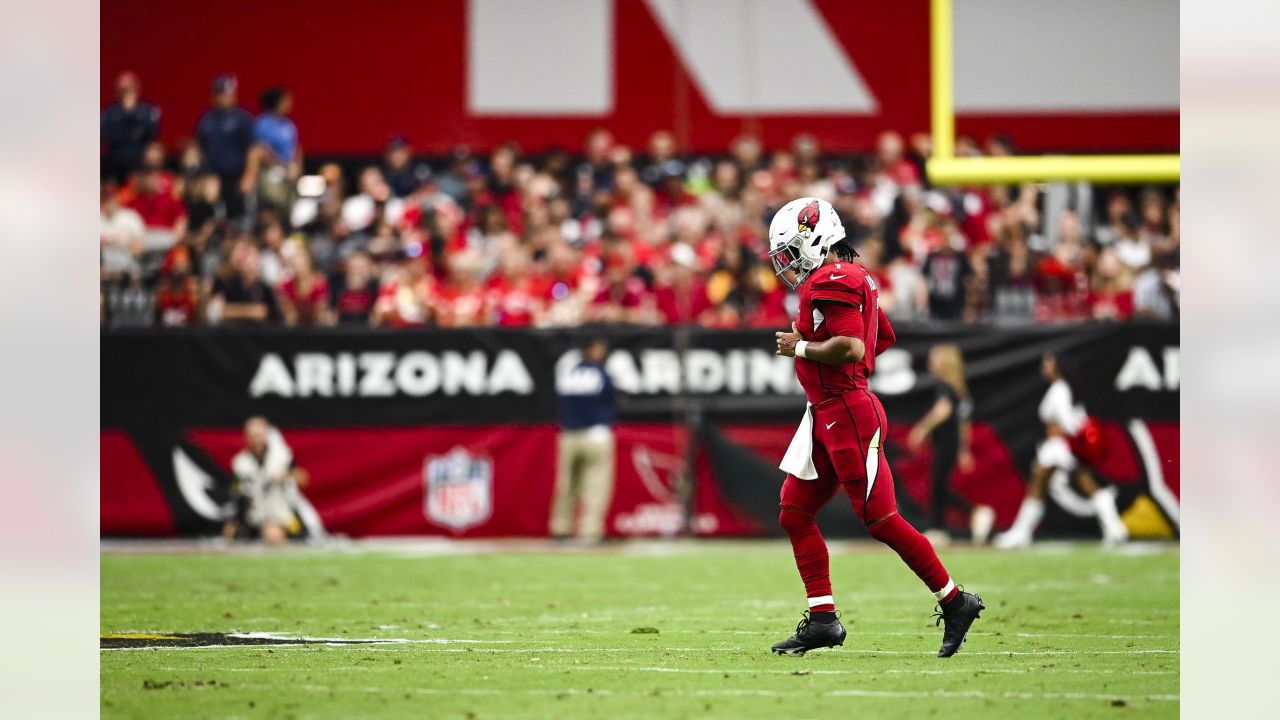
(848, 451)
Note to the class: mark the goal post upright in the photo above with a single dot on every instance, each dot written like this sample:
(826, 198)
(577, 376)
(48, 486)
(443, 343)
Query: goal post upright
(944, 168)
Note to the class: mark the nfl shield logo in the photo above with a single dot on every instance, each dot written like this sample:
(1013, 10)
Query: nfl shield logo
(459, 489)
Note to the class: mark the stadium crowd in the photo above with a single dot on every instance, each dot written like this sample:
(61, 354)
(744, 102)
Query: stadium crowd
(231, 227)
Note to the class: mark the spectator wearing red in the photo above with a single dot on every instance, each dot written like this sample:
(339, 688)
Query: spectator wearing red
(153, 160)
(355, 291)
(159, 210)
(672, 193)
(178, 294)
(1111, 297)
(570, 285)
(624, 298)
(460, 300)
(681, 295)
(515, 295)
(405, 300)
(304, 294)
(894, 164)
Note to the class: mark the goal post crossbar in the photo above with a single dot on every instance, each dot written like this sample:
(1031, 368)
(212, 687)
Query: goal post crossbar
(944, 168)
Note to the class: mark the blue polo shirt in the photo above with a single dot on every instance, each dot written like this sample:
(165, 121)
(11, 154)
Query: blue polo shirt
(587, 397)
(278, 133)
(126, 133)
(225, 135)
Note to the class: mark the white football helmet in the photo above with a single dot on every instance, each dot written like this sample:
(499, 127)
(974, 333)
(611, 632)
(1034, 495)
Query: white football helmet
(800, 235)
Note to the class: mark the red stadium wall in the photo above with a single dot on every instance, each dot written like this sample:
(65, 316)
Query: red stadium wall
(383, 489)
(363, 73)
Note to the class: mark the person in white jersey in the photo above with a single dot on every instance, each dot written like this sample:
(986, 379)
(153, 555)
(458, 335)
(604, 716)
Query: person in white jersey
(1073, 444)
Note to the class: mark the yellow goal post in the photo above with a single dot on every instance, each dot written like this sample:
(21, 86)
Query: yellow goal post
(944, 168)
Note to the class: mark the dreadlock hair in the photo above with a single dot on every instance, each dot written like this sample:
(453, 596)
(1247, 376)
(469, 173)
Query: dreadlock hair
(844, 250)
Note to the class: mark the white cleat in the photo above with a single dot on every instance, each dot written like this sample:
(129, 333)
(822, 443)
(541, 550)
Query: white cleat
(1012, 540)
(1115, 537)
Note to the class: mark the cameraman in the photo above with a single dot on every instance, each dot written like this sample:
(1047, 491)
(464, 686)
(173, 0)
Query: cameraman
(267, 482)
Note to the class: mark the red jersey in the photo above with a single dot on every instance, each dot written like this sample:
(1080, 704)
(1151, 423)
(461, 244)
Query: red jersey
(840, 299)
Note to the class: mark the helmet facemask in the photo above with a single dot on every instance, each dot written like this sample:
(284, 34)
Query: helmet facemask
(791, 257)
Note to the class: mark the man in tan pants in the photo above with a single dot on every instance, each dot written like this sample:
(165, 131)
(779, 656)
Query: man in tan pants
(584, 474)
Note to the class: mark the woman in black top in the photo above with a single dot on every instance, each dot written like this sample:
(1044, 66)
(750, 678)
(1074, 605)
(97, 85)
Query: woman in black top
(948, 424)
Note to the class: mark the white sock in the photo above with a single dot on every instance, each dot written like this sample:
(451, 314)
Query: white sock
(1029, 516)
(980, 522)
(1104, 502)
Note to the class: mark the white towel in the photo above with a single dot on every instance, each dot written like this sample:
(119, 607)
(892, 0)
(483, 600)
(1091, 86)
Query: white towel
(279, 458)
(798, 459)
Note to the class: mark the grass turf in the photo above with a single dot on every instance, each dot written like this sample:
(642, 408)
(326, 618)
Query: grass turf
(1070, 632)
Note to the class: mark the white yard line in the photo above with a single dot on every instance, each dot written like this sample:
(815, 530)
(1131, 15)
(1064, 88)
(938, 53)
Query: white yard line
(660, 648)
(428, 546)
(602, 692)
(723, 671)
(930, 629)
(891, 671)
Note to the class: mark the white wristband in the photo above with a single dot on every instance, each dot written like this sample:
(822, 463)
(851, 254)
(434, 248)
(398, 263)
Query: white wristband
(800, 346)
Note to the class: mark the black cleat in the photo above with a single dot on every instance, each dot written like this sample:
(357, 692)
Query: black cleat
(810, 635)
(956, 617)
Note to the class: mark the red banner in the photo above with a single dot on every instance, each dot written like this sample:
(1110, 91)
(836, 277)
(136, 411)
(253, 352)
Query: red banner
(498, 481)
(481, 72)
(400, 481)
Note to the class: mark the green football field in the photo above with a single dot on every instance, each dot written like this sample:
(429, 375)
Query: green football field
(678, 630)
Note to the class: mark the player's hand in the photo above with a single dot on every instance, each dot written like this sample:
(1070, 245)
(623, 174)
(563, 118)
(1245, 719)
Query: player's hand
(787, 341)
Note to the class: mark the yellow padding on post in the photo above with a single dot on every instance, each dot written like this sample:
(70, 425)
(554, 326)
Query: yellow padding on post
(1145, 520)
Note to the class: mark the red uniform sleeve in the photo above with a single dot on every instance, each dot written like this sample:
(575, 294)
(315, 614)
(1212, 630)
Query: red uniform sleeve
(843, 320)
(885, 337)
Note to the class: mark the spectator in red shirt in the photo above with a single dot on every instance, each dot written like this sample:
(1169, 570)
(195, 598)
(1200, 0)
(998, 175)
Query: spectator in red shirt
(553, 246)
(178, 294)
(516, 296)
(623, 299)
(1112, 294)
(355, 292)
(569, 286)
(460, 300)
(160, 210)
(894, 164)
(153, 160)
(304, 295)
(405, 299)
(681, 294)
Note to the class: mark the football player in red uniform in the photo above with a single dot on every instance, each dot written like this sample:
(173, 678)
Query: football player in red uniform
(839, 331)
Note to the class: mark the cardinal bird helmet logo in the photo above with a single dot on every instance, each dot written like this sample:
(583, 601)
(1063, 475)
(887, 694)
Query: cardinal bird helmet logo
(807, 220)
